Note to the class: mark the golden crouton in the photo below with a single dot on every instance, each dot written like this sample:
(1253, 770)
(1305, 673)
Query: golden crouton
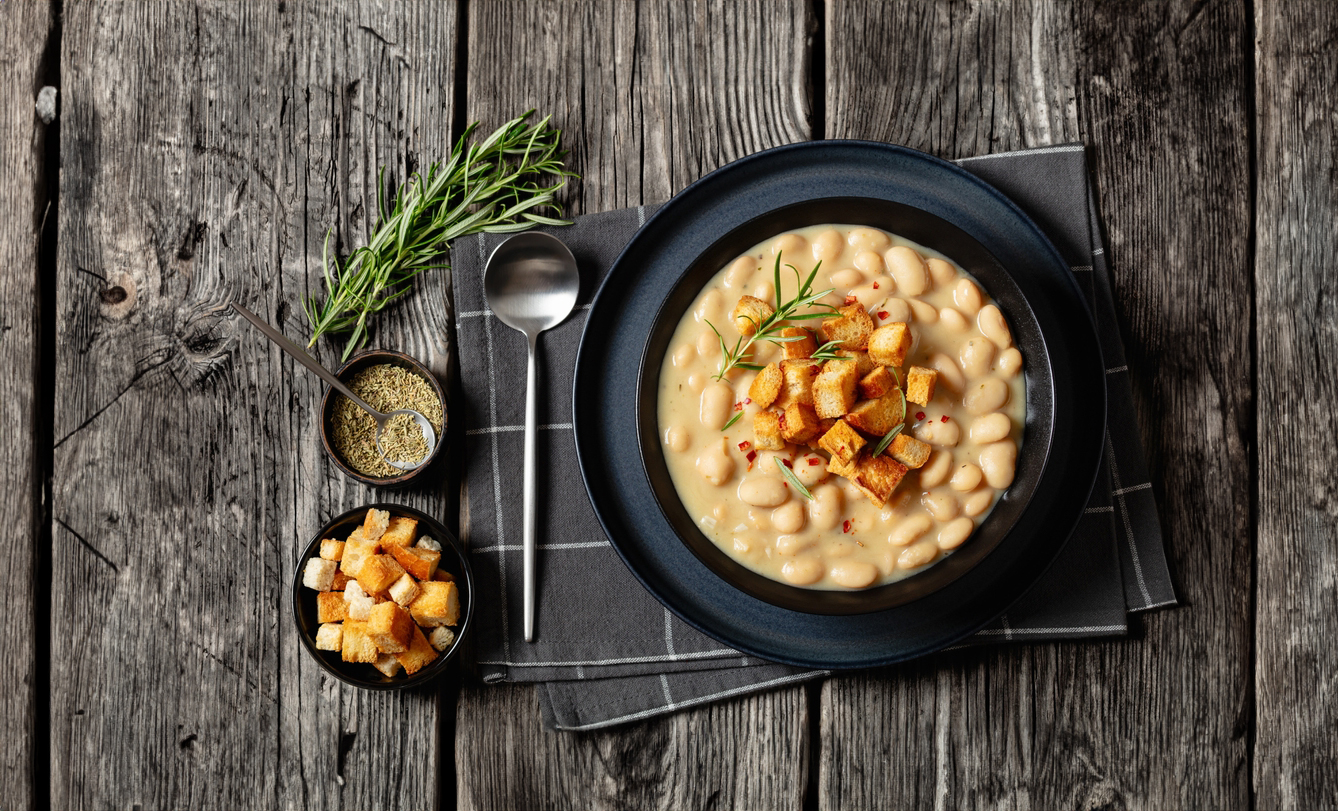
(909, 451)
(388, 665)
(404, 590)
(766, 387)
(358, 647)
(441, 638)
(889, 344)
(852, 329)
(767, 432)
(330, 607)
(388, 626)
(824, 425)
(799, 377)
(799, 423)
(443, 575)
(420, 653)
(877, 417)
(863, 364)
(319, 574)
(802, 348)
(330, 637)
(878, 383)
(878, 476)
(355, 553)
(920, 383)
(842, 442)
(749, 314)
(340, 581)
(332, 549)
(439, 604)
(375, 524)
(834, 389)
(417, 561)
(401, 532)
(378, 573)
(848, 469)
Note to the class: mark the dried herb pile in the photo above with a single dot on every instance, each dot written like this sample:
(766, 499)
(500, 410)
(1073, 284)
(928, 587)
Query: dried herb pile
(385, 387)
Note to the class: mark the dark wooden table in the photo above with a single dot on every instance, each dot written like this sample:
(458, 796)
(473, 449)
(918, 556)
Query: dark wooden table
(160, 468)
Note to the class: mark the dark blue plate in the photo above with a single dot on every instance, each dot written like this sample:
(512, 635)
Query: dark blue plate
(662, 270)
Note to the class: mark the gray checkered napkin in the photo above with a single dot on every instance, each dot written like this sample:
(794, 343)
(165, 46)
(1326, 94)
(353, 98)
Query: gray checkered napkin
(613, 654)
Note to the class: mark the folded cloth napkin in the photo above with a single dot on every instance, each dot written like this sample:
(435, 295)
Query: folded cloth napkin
(607, 652)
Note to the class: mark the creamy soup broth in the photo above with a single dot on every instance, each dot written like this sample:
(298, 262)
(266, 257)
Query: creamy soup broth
(839, 539)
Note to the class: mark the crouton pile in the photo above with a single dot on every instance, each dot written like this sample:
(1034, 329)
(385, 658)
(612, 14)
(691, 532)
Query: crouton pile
(382, 599)
(844, 406)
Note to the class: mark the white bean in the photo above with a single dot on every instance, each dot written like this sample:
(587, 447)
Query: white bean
(763, 290)
(715, 463)
(716, 405)
(759, 519)
(677, 438)
(952, 535)
(803, 570)
(921, 554)
(990, 428)
(697, 381)
(910, 529)
(943, 434)
(908, 268)
(810, 469)
(840, 548)
(825, 508)
(763, 491)
(853, 574)
(790, 544)
(941, 272)
(941, 504)
(828, 245)
(977, 503)
(923, 311)
(976, 356)
(936, 470)
(998, 461)
(866, 294)
(967, 296)
(788, 245)
(1009, 362)
(953, 320)
(788, 517)
(708, 344)
(898, 311)
(965, 478)
(739, 272)
(985, 396)
(870, 239)
(869, 262)
(710, 307)
(993, 326)
(684, 355)
(846, 278)
(949, 374)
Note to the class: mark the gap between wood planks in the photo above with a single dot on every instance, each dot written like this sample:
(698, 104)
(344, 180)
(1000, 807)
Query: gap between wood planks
(1250, 710)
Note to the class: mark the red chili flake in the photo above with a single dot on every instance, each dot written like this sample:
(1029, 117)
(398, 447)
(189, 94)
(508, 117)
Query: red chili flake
(738, 406)
(743, 446)
(883, 314)
(752, 455)
(845, 527)
(747, 401)
(875, 285)
(919, 415)
(814, 460)
(850, 300)
(944, 419)
(786, 462)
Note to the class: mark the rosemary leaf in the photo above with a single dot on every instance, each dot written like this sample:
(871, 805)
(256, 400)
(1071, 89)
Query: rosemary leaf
(732, 420)
(794, 480)
(887, 439)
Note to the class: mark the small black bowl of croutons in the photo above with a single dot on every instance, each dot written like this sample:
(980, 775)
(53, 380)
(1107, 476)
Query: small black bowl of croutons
(383, 596)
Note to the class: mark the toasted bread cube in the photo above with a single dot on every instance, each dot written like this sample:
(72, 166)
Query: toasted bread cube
(878, 476)
(358, 647)
(842, 442)
(800, 349)
(359, 602)
(319, 574)
(418, 562)
(766, 387)
(379, 573)
(400, 532)
(834, 389)
(799, 423)
(330, 636)
(799, 377)
(909, 451)
(332, 549)
(877, 417)
(839, 467)
(878, 383)
(441, 637)
(439, 604)
(749, 314)
(341, 581)
(420, 653)
(824, 425)
(889, 344)
(767, 432)
(330, 607)
(388, 626)
(429, 544)
(443, 575)
(356, 553)
(852, 328)
(405, 590)
(863, 364)
(388, 665)
(920, 384)
(374, 525)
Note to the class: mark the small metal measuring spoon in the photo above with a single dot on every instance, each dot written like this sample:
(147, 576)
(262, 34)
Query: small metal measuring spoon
(381, 419)
(530, 283)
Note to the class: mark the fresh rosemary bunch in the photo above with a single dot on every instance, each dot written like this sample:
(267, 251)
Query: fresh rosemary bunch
(497, 185)
(740, 356)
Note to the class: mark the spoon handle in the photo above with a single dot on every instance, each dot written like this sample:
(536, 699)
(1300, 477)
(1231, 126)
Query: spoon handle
(531, 400)
(303, 358)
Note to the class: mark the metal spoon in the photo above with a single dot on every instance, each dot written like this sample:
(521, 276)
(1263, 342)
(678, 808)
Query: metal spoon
(530, 283)
(381, 419)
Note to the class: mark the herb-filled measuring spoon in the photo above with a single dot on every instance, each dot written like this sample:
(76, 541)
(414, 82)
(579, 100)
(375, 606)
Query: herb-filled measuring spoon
(530, 284)
(429, 435)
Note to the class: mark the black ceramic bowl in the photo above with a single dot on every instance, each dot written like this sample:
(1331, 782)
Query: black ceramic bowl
(345, 373)
(453, 560)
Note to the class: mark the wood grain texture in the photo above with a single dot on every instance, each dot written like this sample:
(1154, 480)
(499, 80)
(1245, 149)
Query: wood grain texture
(649, 98)
(207, 147)
(1161, 91)
(1296, 278)
(24, 199)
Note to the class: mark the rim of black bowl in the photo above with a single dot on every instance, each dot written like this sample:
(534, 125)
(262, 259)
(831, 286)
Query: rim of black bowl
(327, 404)
(304, 599)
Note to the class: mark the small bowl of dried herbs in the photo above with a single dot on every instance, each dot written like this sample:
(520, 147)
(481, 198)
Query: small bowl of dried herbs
(388, 381)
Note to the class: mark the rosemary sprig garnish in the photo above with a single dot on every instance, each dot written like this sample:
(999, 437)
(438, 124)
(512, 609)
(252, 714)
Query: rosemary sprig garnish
(828, 352)
(740, 356)
(732, 420)
(497, 186)
(794, 480)
(887, 439)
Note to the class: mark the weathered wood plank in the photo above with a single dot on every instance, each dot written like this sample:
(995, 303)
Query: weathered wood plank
(1297, 341)
(206, 150)
(1160, 89)
(649, 97)
(24, 198)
